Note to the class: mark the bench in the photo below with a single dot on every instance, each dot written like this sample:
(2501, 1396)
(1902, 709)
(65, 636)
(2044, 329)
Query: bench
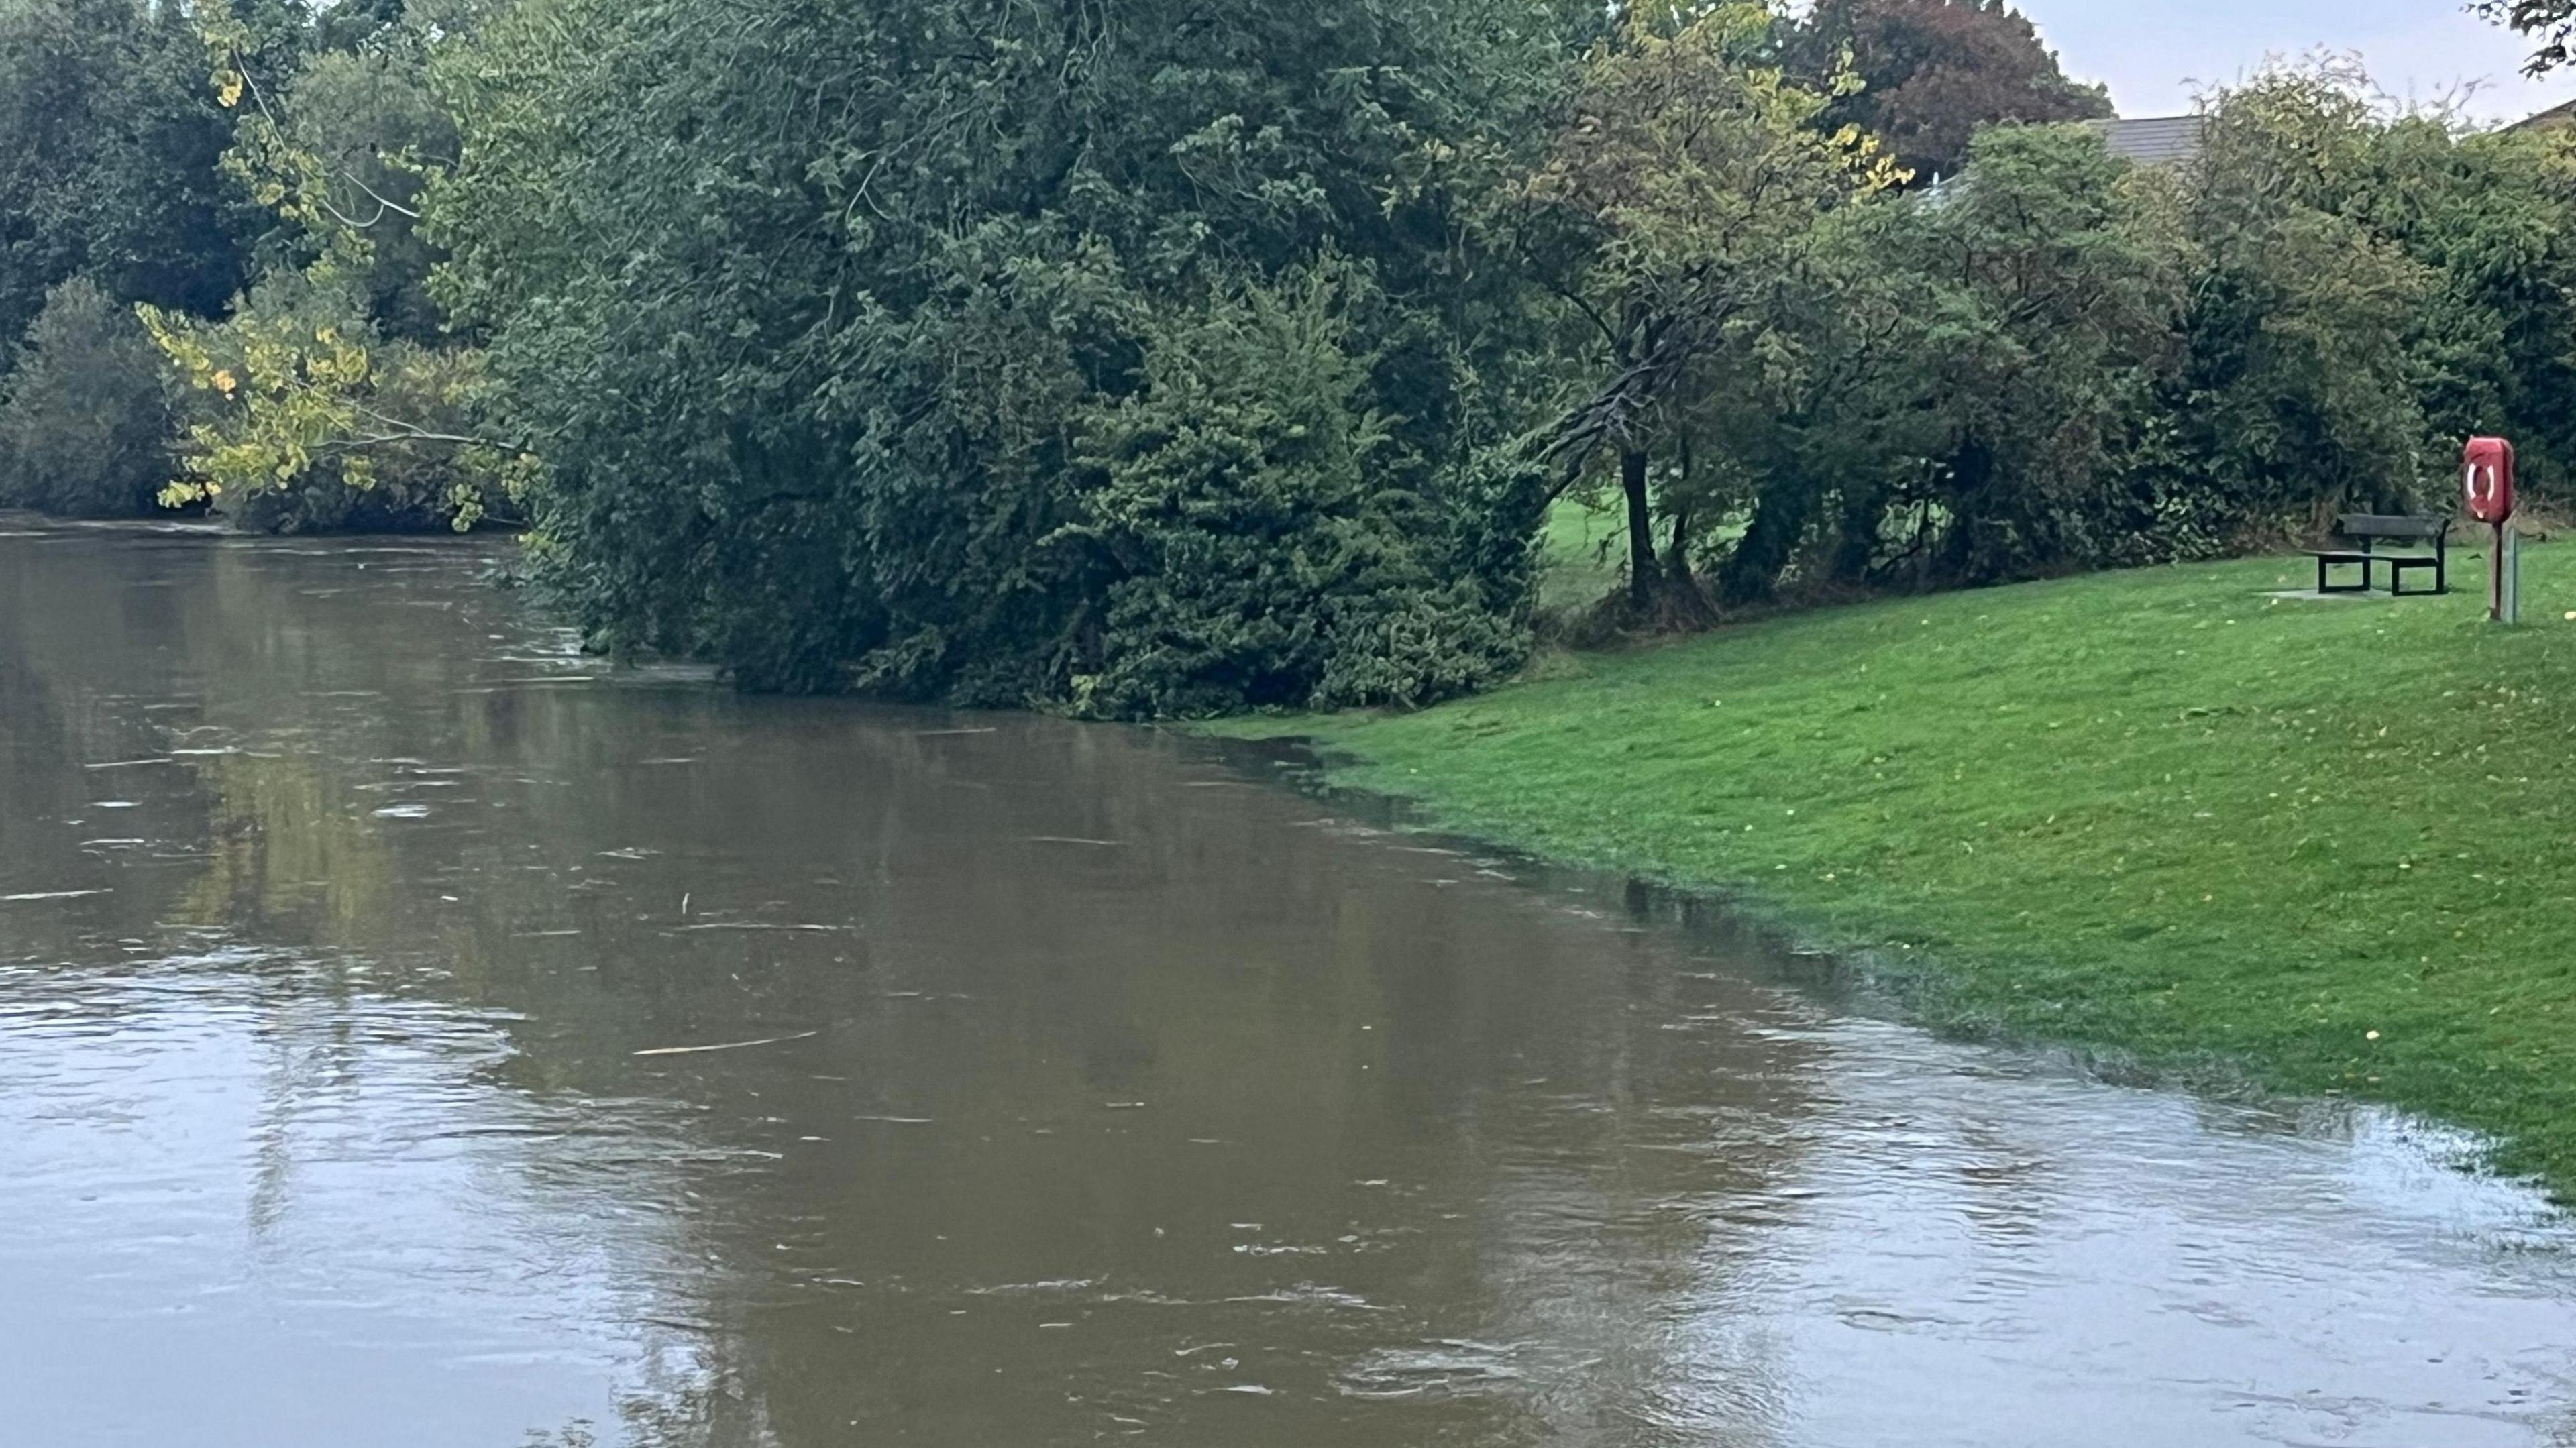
(2367, 529)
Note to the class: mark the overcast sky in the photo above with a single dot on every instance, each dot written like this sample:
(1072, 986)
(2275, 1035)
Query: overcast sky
(2152, 53)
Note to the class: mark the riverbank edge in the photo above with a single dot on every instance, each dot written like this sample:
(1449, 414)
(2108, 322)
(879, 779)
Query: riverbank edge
(1951, 990)
(1915, 989)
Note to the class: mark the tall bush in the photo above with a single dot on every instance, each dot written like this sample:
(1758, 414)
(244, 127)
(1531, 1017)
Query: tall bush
(85, 419)
(1252, 553)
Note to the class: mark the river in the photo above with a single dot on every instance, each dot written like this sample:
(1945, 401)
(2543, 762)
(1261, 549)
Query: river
(413, 1032)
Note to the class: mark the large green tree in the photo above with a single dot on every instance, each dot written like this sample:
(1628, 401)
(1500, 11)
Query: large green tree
(1954, 388)
(1687, 176)
(829, 318)
(108, 147)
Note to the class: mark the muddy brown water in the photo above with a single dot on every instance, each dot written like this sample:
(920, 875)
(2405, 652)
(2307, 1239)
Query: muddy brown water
(358, 939)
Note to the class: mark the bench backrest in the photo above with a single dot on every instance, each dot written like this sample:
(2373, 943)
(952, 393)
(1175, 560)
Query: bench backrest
(2387, 525)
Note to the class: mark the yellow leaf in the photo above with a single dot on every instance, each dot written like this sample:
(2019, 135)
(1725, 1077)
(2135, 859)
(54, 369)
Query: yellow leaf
(224, 383)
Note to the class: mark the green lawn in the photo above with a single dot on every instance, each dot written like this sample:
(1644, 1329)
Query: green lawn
(2329, 844)
(1575, 570)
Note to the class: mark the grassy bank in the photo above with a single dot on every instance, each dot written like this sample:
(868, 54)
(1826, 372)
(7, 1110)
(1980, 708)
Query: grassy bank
(2162, 812)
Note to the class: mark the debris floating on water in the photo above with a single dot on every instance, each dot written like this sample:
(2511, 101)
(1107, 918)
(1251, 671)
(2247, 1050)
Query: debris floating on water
(726, 1046)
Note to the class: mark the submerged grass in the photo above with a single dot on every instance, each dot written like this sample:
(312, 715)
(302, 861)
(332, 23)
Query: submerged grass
(2329, 843)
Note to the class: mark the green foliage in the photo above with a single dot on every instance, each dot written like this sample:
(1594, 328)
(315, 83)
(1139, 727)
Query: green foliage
(107, 149)
(2551, 24)
(1686, 180)
(2299, 386)
(1972, 373)
(307, 420)
(812, 308)
(1257, 558)
(371, 129)
(328, 399)
(2062, 361)
(85, 424)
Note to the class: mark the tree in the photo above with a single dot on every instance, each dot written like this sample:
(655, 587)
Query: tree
(1687, 174)
(309, 419)
(1934, 72)
(376, 139)
(817, 313)
(2302, 387)
(2550, 23)
(84, 421)
(330, 398)
(2066, 362)
(1257, 562)
(108, 142)
(2037, 315)
(2492, 216)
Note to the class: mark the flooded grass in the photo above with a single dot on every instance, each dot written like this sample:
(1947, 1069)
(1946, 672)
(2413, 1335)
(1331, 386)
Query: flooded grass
(2181, 813)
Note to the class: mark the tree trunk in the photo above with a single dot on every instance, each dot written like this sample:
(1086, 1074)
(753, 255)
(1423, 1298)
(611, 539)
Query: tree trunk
(1972, 469)
(1856, 547)
(1752, 571)
(1641, 530)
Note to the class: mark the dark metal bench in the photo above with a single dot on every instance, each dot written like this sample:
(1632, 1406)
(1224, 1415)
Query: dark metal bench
(2368, 529)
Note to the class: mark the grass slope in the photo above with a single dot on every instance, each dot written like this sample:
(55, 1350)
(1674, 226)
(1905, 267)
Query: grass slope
(1577, 569)
(2331, 842)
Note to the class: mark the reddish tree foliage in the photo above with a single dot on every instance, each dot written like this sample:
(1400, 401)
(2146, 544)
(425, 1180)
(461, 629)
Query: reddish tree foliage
(1933, 71)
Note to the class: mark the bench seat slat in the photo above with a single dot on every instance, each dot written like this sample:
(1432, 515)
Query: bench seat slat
(2385, 525)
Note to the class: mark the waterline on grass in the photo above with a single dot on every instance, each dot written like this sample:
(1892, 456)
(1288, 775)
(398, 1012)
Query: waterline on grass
(2410, 1155)
(2166, 1266)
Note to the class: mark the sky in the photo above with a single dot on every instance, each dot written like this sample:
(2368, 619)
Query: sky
(2155, 53)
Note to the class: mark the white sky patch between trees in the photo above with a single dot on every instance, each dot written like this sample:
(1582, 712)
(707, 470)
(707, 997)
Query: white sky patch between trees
(2154, 57)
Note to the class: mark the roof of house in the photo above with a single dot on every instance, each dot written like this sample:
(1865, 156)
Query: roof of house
(2154, 140)
(2551, 119)
(2150, 141)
